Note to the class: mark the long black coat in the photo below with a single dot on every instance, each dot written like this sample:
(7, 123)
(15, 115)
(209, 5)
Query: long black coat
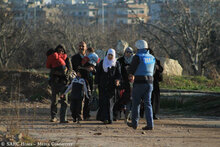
(106, 85)
(126, 97)
(155, 100)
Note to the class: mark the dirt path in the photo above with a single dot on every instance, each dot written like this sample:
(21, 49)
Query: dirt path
(170, 131)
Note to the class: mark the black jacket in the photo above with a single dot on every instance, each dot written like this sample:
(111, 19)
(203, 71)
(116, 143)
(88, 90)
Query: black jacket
(158, 77)
(76, 61)
(107, 79)
(124, 67)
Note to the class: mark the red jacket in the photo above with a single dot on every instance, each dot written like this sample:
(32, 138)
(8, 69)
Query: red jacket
(55, 60)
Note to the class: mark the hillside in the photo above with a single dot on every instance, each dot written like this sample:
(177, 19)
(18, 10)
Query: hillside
(23, 86)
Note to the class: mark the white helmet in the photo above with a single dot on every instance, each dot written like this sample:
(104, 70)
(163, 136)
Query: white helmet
(141, 44)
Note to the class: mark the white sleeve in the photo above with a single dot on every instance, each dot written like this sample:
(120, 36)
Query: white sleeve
(69, 87)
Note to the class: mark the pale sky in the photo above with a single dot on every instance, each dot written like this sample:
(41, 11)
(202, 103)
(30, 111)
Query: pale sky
(47, 1)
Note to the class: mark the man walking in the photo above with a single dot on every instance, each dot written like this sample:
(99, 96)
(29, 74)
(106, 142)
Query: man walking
(77, 58)
(141, 73)
(76, 63)
(58, 84)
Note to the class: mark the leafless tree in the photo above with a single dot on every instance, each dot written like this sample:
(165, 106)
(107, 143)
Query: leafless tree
(70, 32)
(191, 26)
(188, 27)
(13, 35)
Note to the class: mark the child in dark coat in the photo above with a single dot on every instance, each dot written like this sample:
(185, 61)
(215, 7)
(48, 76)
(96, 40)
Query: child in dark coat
(79, 91)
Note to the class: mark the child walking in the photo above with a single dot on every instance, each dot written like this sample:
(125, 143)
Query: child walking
(79, 91)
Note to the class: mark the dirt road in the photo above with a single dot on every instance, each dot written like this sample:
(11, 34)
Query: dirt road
(170, 131)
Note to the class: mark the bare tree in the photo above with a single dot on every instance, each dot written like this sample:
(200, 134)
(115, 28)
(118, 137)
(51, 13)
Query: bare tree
(13, 35)
(187, 27)
(191, 25)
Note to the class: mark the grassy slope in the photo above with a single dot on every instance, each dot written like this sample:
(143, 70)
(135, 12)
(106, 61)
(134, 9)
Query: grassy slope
(202, 105)
(190, 83)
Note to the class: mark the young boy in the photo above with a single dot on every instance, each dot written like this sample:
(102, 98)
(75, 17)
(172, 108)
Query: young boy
(79, 91)
(91, 59)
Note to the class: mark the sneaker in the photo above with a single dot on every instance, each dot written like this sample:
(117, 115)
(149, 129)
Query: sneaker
(53, 120)
(155, 117)
(130, 125)
(127, 117)
(147, 128)
(64, 122)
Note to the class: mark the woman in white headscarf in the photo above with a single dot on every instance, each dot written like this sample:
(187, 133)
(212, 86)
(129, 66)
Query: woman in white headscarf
(107, 77)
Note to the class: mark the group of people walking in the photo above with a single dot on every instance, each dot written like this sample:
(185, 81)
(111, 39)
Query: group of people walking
(122, 84)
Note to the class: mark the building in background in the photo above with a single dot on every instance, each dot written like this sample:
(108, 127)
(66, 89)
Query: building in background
(63, 2)
(85, 12)
(122, 13)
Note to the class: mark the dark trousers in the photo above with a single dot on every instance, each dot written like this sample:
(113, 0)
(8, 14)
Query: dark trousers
(156, 99)
(56, 93)
(86, 109)
(76, 107)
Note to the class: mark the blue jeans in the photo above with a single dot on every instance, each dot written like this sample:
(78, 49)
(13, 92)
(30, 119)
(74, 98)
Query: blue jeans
(142, 91)
(128, 107)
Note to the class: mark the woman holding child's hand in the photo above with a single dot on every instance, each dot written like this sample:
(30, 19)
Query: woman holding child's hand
(108, 76)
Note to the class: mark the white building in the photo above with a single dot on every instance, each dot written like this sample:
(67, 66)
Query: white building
(82, 13)
(63, 2)
(121, 13)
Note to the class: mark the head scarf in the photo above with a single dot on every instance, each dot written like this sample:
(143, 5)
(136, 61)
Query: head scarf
(128, 59)
(109, 63)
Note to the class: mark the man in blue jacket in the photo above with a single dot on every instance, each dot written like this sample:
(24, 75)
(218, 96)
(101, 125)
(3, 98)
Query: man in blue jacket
(141, 73)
